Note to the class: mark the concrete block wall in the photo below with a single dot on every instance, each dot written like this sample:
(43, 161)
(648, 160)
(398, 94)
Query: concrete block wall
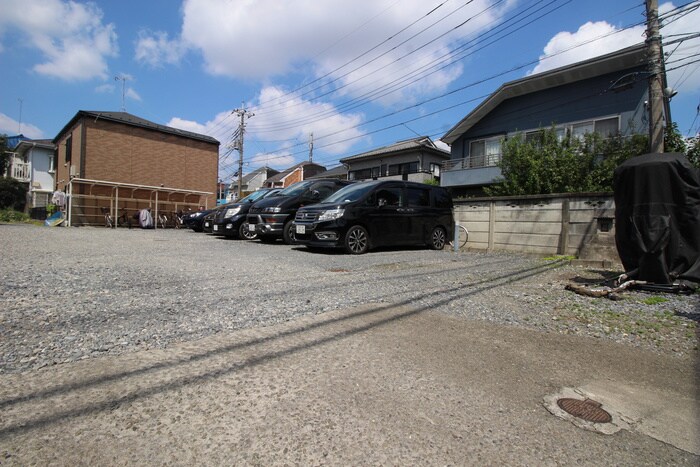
(578, 225)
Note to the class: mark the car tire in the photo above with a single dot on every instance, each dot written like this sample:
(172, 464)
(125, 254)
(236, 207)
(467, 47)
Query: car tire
(356, 240)
(438, 238)
(244, 233)
(288, 233)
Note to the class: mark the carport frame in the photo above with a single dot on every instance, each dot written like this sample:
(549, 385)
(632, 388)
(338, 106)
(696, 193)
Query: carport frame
(114, 201)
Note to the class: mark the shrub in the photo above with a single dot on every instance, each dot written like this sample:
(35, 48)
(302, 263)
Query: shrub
(12, 194)
(10, 215)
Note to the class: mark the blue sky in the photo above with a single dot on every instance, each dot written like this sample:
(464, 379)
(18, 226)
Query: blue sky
(357, 74)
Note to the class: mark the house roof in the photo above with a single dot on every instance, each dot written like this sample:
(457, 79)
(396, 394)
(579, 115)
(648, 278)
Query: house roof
(282, 175)
(338, 171)
(132, 120)
(421, 142)
(30, 143)
(266, 170)
(627, 58)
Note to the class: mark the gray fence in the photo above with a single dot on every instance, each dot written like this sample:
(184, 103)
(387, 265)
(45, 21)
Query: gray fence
(581, 225)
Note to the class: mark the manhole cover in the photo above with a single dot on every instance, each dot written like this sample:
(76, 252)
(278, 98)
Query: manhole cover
(588, 410)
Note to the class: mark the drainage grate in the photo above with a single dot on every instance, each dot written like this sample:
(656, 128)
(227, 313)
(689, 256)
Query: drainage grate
(588, 410)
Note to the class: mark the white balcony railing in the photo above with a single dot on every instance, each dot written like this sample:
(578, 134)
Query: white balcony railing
(490, 160)
(20, 172)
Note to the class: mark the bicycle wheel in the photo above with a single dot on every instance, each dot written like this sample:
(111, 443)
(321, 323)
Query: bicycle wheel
(463, 237)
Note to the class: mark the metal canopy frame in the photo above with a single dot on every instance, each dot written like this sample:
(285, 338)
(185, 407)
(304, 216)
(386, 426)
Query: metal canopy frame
(114, 202)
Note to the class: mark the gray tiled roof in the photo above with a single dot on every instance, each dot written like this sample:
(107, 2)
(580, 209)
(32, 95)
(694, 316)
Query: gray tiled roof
(421, 142)
(133, 120)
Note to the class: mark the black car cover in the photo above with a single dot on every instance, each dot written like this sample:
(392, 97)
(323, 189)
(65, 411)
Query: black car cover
(657, 218)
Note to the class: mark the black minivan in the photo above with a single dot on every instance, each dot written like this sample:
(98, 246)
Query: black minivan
(375, 213)
(272, 218)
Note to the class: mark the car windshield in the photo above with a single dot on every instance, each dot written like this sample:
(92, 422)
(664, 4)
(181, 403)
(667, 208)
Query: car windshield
(296, 189)
(350, 193)
(254, 196)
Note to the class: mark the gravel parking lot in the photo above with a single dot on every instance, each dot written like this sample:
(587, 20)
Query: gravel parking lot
(68, 294)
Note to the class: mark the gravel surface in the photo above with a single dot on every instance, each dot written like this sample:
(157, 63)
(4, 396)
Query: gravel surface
(69, 294)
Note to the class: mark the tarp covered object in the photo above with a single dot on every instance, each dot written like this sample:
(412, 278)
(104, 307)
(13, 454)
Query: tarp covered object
(657, 218)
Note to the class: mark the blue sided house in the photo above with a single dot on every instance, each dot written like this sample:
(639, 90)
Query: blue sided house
(606, 95)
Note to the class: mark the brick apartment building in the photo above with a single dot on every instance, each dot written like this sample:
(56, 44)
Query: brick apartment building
(121, 148)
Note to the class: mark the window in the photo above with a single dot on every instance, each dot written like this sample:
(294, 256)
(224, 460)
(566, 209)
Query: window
(579, 130)
(375, 172)
(607, 127)
(69, 148)
(389, 196)
(403, 169)
(435, 169)
(362, 174)
(485, 152)
(418, 196)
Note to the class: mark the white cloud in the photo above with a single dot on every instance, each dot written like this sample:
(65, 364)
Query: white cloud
(105, 89)
(9, 126)
(133, 95)
(610, 38)
(277, 160)
(280, 116)
(269, 38)
(156, 50)
(275, 129)
(71, 36)
(592, 39)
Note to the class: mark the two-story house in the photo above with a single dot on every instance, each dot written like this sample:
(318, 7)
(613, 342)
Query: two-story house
(606, 95)
(417, 159)
(32, 162)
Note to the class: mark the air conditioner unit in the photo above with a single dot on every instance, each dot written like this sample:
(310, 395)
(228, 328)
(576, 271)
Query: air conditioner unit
(73, 171)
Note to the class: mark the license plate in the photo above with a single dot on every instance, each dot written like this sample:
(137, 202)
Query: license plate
(251, 227)
(216, 228)
(301, 229)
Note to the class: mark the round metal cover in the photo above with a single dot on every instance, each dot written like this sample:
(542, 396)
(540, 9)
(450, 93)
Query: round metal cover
(588, 410)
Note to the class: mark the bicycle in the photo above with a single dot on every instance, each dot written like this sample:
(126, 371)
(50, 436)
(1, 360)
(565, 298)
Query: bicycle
(462, 238)
(162, 220)
(109, 221)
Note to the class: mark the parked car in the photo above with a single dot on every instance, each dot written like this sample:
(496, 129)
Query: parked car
(272, 218)
(231, 221)
(195, 220)
(370, 214)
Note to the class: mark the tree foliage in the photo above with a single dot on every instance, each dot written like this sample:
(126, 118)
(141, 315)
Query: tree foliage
(4, 154)
(12, 194)
(548, 164)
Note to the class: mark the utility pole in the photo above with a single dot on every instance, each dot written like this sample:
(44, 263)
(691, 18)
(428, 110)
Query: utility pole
(656, 78)
(311, 147)
(238, 144)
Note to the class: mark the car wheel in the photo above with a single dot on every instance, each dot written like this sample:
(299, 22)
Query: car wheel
(356, 240)
(438, 238)
(246, 234)
(288, 233)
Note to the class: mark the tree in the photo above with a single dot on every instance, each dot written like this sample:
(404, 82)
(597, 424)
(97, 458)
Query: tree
(4, 154)
(12, 194)
(549, 164)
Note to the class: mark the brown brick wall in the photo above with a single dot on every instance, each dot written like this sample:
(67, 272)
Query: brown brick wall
(293, 178)
(123, 153)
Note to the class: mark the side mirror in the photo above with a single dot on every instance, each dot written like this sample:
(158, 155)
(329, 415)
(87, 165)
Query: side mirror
(315, 194)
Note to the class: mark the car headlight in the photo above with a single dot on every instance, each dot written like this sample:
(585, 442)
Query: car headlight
(272, 209)
(331, 214)
(230, 212)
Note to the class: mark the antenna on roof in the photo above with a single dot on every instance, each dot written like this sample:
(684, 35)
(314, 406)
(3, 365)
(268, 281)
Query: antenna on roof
(123, 79)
